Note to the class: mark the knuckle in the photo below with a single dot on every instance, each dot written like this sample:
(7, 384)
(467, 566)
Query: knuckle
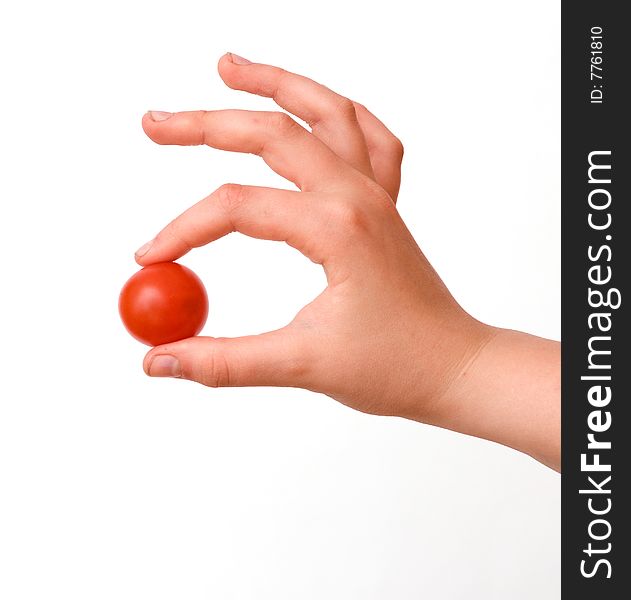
(215, 371)
(202, 121)
(397, 147)
(362, 216)
(299, 362)
(343, 108)
(346, 108)
(298, 369)
(231, 196)
(281, 123)
(380, 202)
(282, 79)
(349, 216)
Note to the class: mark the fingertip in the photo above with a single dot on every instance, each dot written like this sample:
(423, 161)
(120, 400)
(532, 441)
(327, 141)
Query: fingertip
(238, 60)
(159, 363)
(230, 67)
(159, 115)
(151, 354)
(223, 60)
(359, 107)
(152, 121)
(143, 261)
(146, 361)
(148, 124)
(228, 70)
(143, 250)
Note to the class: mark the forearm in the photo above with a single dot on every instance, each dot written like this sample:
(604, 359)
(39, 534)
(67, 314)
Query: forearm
(509, 392)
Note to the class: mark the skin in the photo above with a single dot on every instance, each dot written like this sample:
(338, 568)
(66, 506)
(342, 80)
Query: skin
(386, 336)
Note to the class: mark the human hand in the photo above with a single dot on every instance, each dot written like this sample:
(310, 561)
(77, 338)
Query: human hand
(385, 336)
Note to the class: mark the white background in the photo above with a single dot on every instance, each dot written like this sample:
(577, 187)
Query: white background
(114, 485)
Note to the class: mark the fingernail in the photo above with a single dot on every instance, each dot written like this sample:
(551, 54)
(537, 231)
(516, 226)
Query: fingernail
(165, 365)
(239, 60)
(160, 115)
(143, 249)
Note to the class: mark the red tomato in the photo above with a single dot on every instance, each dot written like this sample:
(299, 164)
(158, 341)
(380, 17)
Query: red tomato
(163, 303)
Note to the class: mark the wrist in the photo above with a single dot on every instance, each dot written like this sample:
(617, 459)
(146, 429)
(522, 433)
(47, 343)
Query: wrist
(447, 364)
(508, 391)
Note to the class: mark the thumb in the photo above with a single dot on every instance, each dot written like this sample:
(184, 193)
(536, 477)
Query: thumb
(276, 358)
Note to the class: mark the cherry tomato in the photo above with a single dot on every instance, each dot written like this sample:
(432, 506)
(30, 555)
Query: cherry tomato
(163, 303)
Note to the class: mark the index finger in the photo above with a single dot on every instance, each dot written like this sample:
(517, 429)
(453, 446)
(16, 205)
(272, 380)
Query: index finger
(299, 219)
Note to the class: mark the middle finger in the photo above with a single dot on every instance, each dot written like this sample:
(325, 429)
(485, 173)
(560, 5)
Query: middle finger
(286, 146)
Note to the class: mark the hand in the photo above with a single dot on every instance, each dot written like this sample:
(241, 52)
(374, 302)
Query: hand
(386, 336)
